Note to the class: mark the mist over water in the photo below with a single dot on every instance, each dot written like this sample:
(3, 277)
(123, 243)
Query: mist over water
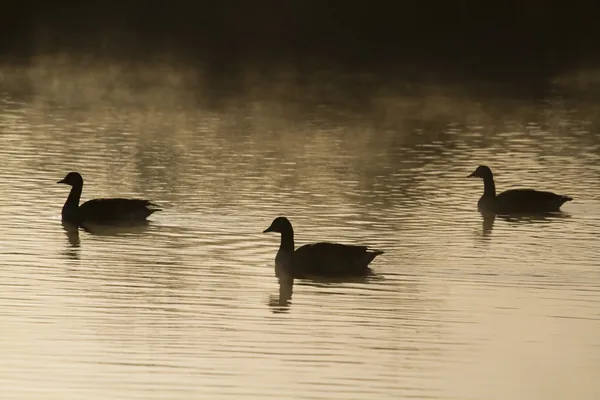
(354, 147)
(509, 41)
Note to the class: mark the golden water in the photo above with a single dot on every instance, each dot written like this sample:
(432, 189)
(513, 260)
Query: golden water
(189, 307)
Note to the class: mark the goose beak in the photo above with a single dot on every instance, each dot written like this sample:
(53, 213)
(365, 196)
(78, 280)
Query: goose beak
(471, 175)
(61, 181)
(269, 229)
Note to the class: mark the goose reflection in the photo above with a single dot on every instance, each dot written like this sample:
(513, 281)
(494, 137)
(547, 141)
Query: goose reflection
(488, 219)
(72, 230)
(282, 302)
(74, 240)
(116, 229)
(72, 233)
(536, 218)
(488, 224)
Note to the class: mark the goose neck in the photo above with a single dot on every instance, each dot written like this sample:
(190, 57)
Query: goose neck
(489, 187)
(287, 241)
(74, 196)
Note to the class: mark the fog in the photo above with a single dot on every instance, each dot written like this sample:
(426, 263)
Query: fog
(505, 41)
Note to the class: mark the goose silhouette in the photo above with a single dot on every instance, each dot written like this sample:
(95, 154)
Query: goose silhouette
(319, 259)
(102, 211)
(515, 201)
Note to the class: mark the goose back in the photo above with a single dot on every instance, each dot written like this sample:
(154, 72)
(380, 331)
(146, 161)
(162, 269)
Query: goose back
(332, 259)
(103, 211)
(524, 201)
(318, 259)
(515, 201)
(117, 209)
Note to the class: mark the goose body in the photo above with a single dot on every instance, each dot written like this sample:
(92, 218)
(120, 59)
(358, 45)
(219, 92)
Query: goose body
(319, 259)
(515, 201)
(102, 211)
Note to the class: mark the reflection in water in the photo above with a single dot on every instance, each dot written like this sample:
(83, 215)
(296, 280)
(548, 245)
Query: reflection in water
(533, 218)
(116, 229)
(175, 309)
(72, 232)
(488, 223)
(281, 303)
(488, 219)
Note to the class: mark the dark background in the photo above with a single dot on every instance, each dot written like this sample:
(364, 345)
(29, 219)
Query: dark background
(496, 39)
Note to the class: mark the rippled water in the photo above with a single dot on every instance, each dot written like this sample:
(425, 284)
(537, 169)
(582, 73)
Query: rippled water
(189, 307)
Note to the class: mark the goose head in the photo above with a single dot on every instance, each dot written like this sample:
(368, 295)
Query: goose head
(72, 179)
(281, 225)
(483, 172)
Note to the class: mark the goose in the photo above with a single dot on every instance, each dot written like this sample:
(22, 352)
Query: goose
(515, 201)
(102, 211)
(319, 259)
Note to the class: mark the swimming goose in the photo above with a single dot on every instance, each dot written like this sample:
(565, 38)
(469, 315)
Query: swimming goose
(319, 259)
(103, 211)
(515, 201)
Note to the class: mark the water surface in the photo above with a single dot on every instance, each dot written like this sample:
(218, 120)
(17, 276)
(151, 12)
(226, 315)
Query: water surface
(188, 307)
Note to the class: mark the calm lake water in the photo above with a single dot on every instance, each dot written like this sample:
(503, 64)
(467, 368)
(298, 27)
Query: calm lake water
(189, 307)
